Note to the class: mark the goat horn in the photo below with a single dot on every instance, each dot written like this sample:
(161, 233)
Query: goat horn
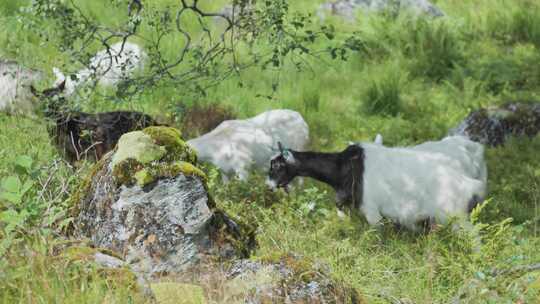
(280, 147)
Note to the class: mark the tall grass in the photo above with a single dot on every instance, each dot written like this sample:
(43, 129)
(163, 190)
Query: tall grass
(382, 95)
(519, 24)
(37, 272)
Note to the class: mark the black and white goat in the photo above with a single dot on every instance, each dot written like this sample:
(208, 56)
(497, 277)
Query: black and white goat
(79, 135)
(408, 186)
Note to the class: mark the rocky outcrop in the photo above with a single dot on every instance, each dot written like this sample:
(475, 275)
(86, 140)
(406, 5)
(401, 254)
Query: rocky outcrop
(347, 8)
(15, 81)
(492, 126)
(148, 201)
(286, 279)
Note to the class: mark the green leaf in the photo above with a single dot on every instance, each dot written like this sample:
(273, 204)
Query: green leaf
(13, 219)
(8, 215)
(24, 163)
(27, 186)
(11, 184)
(14, 198)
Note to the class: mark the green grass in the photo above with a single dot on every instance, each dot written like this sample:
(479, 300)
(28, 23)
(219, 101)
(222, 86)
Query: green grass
(411, 81)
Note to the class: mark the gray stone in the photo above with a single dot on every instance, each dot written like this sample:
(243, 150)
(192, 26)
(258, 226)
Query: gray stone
(108, 261)
(291, 279)
(492, 126)
(15, 81)
(167, 226)
(347, 9)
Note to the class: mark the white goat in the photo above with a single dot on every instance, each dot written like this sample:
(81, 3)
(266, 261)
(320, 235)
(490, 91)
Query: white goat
(463, 154)
(235, 146)
(410, 185)
(108, 68)
(459, 152)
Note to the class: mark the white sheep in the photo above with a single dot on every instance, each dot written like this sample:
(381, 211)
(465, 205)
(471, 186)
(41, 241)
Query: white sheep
(107, 68)
(236, 146)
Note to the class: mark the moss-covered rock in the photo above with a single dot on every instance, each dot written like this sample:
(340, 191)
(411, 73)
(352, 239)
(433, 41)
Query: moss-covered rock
(287, 278)
(142, 157)
(148, 200)
(138, 146)
(492, 126)
(171, 139)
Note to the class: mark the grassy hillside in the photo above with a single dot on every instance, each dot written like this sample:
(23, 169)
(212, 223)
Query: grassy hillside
(410, 80)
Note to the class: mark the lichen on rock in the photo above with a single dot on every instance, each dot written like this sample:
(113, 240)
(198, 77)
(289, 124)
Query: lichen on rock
(142, 157)
(287, 278)
(492, 126)
(171, 139)
(139, 146)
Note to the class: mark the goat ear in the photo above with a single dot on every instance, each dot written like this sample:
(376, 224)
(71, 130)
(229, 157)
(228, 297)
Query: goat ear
(34, 91)
(281, 150)
(62, 85)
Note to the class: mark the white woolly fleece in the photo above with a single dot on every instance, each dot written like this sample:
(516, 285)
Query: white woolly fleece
(409, 185)
(235, 146)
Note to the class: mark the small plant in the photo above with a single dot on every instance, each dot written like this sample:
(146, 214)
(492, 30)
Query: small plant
(383, 93)
(309, 204)
(22, 204)
(312, 100)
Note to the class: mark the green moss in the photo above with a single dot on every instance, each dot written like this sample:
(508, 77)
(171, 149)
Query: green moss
(302, 267)
(144, 177)
(142, 157)
(82, 190)
(186, 169)
(158, 170)
(171, 140)
(125, 171)
(137, 146)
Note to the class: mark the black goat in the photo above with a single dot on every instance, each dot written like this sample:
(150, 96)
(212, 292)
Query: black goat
(81, 135)
(343, 171)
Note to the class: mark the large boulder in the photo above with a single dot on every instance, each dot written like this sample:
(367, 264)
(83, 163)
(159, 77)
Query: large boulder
(15, 81)
(347, 8)
(492, 126)
(148, 201)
